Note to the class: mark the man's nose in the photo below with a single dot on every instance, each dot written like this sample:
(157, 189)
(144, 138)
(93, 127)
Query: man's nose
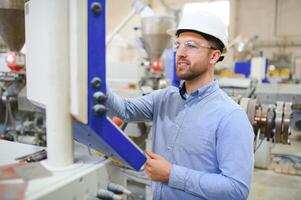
(181, 52)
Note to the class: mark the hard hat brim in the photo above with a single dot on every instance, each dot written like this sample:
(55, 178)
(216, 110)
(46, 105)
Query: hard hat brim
(173, 31)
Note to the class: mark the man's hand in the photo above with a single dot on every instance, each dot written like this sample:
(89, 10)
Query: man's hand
(156, 167)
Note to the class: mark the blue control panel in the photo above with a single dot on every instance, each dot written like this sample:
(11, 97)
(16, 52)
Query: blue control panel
(100, 133)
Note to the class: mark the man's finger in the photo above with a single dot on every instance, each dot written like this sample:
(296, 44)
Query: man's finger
(148, 163)
(151, 154)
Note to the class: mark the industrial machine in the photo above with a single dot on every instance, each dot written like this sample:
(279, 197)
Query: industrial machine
(65, 77)
(273, 110)
(155, 41)
(20, 120)
(269, 122)
(258, 98)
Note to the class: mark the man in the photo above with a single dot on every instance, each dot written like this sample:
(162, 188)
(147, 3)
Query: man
(202, 140)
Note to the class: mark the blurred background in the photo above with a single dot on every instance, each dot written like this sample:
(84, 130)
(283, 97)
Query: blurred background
(261, 72)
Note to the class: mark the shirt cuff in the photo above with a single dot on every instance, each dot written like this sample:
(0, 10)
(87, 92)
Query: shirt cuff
(177, 177)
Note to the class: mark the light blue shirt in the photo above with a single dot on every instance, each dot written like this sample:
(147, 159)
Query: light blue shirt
(207, 138)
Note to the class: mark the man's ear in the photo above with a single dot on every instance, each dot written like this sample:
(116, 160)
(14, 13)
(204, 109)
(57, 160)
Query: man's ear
(215, 54)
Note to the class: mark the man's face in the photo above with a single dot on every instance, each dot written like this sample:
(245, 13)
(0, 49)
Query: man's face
(192, 56)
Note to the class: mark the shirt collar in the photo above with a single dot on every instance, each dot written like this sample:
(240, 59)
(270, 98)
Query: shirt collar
(202, 91)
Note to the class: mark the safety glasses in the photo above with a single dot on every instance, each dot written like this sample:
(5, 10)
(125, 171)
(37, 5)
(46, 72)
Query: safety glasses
(190, 46)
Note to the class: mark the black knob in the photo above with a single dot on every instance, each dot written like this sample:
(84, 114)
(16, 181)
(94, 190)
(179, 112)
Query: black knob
(96, 8)
(99, 97)
(96, 82)
(99, 109)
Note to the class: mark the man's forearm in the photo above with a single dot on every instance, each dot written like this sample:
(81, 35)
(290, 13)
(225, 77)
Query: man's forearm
(116, 104)
(207, 185)
(134, 109)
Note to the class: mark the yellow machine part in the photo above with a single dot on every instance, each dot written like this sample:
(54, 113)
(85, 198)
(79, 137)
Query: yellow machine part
(279, 72)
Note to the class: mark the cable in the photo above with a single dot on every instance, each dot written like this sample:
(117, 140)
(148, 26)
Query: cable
(249, 95)
(258, 145)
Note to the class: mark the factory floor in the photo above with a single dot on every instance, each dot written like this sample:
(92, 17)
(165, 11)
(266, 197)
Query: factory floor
(268, 184)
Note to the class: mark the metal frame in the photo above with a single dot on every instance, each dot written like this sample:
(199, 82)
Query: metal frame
(100, 133)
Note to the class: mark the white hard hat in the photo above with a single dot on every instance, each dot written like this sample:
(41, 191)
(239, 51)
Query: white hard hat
(203, 22)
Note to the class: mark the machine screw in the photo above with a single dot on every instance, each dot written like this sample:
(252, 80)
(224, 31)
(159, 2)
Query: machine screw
(96, 8)
(99, 97)
(96, 82)
(99, 109)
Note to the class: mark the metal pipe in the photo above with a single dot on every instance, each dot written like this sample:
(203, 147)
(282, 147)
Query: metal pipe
(59, 130)
(138, 6)
(120, 27)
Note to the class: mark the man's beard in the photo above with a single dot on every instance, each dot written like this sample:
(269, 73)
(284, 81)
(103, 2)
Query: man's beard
(190, 74)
